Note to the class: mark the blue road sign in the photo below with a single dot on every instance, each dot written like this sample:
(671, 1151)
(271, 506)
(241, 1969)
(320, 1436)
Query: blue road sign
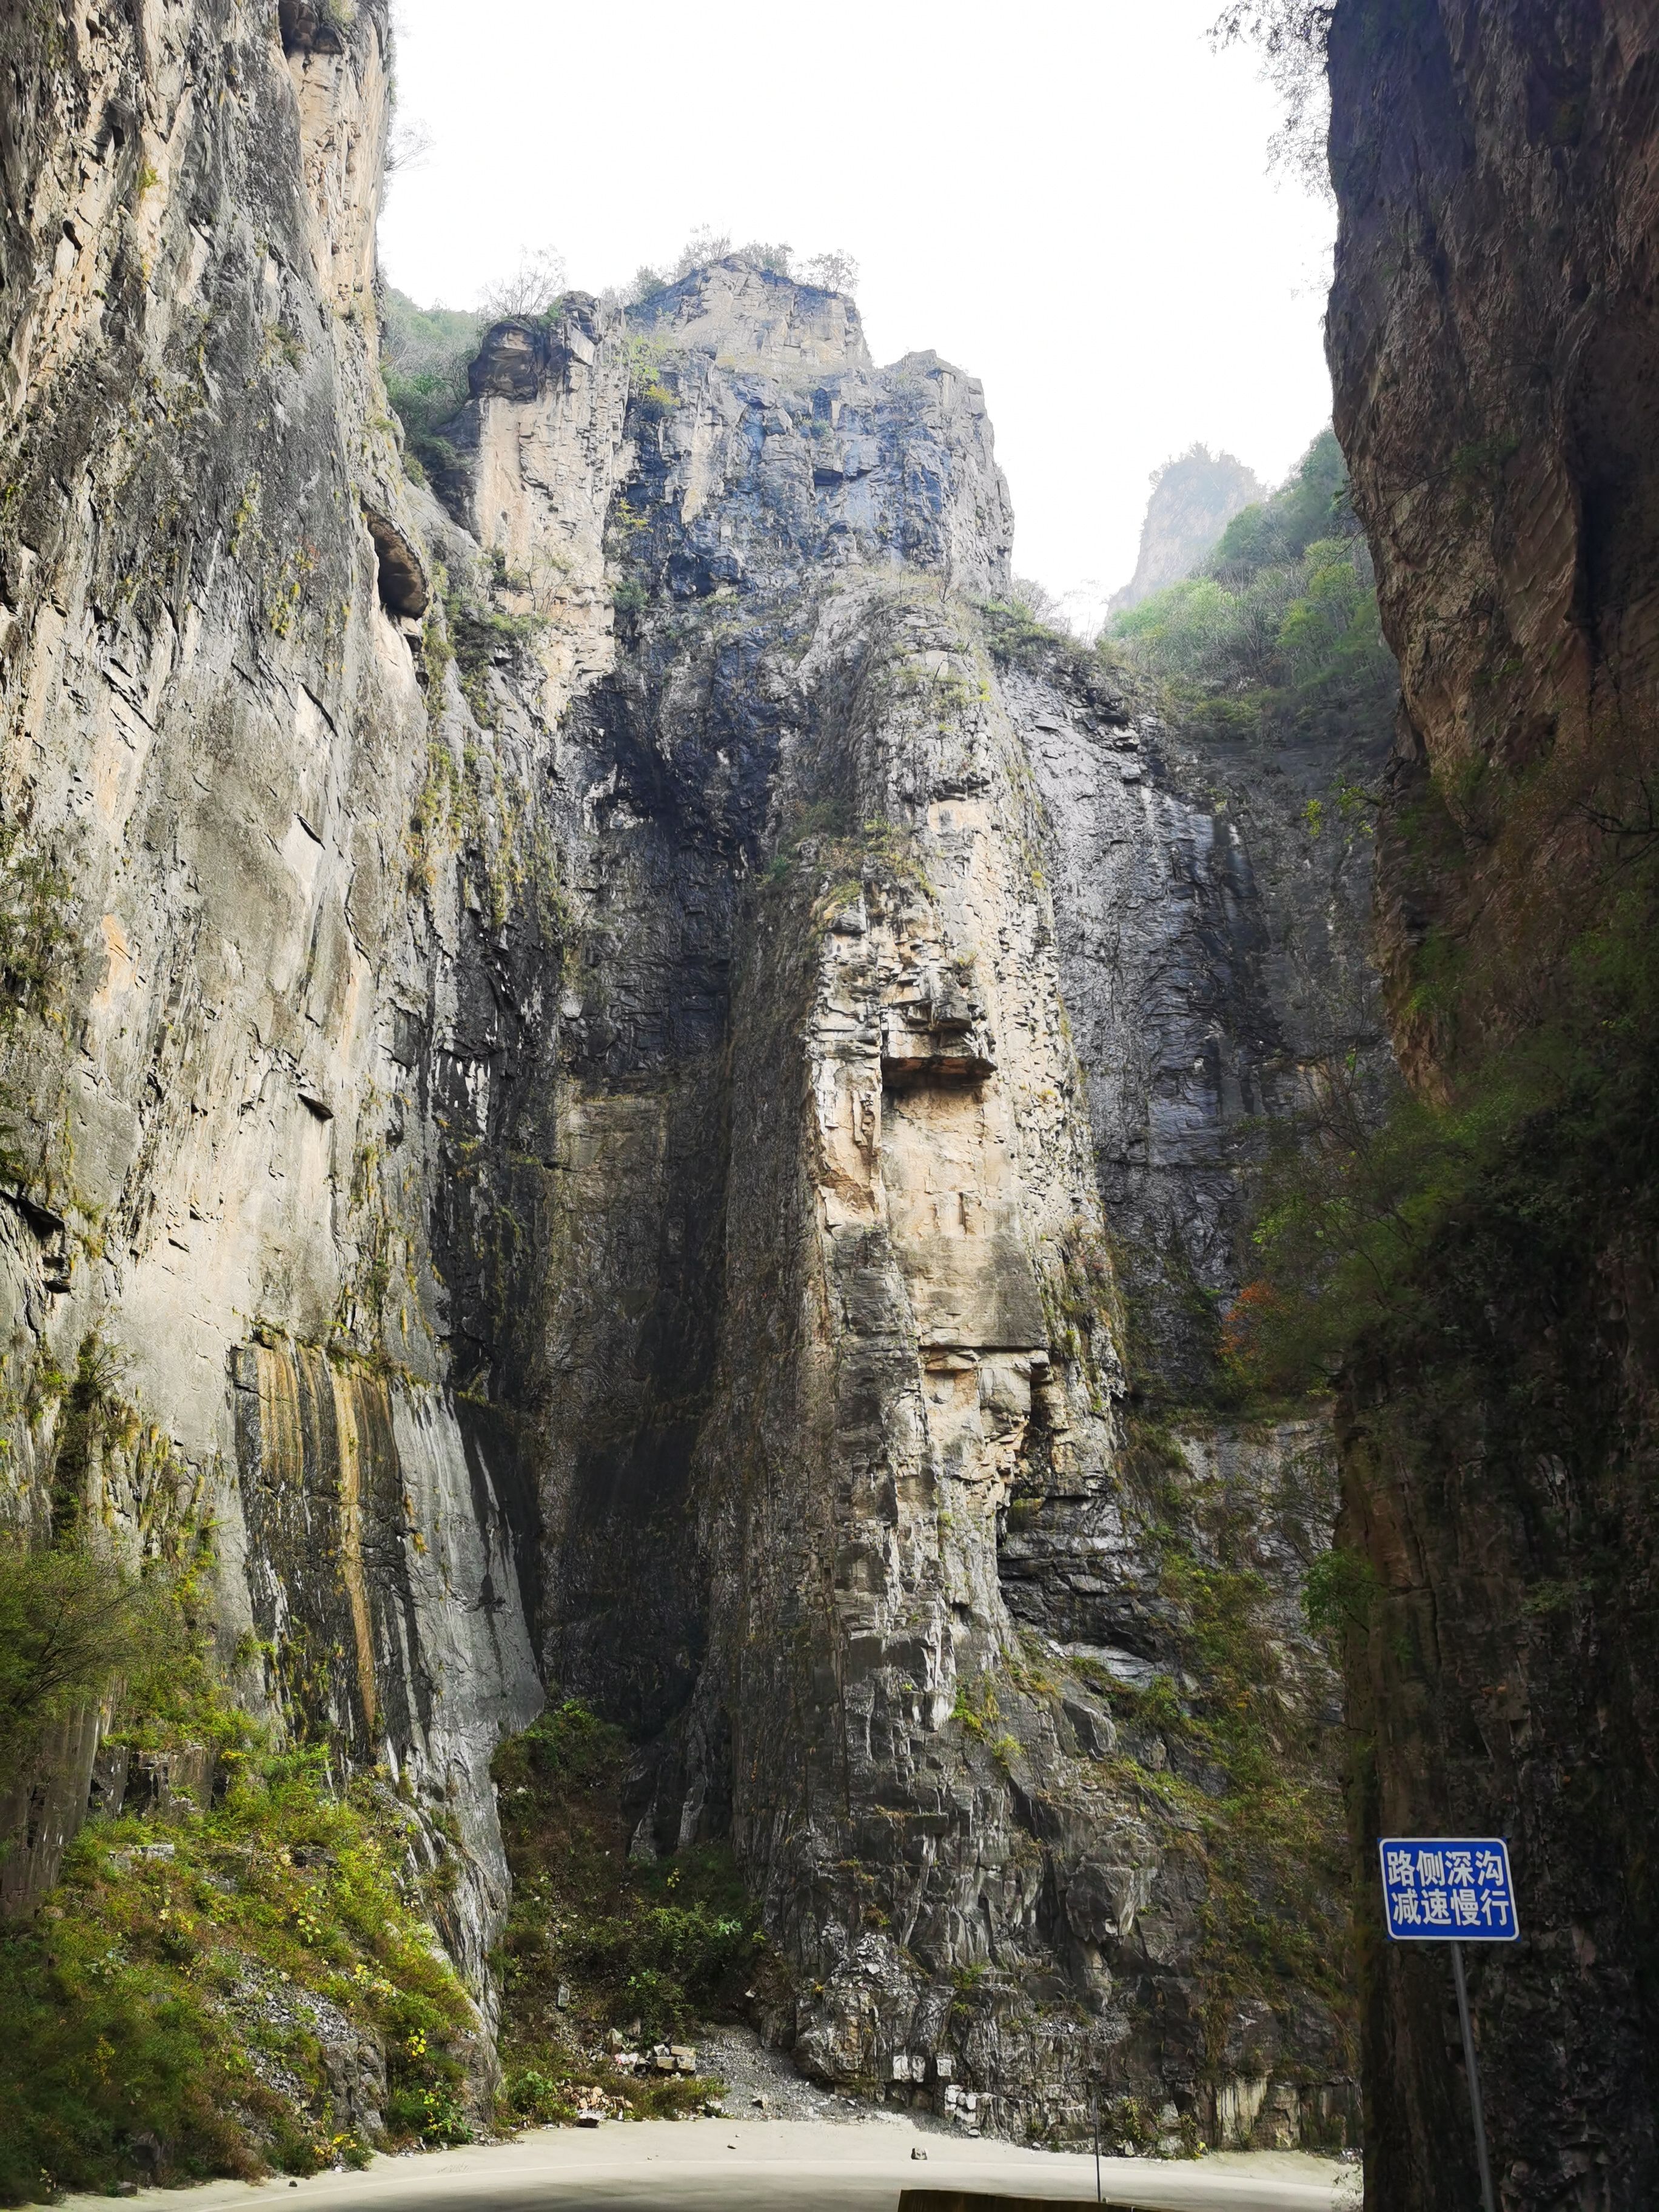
(1448, 1889)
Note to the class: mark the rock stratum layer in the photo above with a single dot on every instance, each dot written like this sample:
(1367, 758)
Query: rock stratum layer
(1493, 339)
(602, 1030)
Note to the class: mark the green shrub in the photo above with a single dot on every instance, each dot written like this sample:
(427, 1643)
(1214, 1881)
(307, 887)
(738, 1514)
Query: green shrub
(130, 2006)
(667, 1943)
(1360, 1206)
(71, 1623)
(35, 906)
(1280, 622)
(424, 356)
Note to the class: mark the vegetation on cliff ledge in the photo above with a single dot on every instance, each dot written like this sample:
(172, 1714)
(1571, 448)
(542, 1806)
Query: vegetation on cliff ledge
(184, 2001)
(238, 1971)
(599, 1940)
(1279, 627)
(1376, 1230)
(424, 355)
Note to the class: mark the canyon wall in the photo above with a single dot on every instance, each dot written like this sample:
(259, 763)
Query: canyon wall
(222, 1305)
(609, 1052)
(1492, 340)
(813, 1327)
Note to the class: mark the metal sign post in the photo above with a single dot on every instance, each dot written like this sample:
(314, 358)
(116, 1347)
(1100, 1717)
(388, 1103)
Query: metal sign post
(1486, 2200)
(1455, 1890)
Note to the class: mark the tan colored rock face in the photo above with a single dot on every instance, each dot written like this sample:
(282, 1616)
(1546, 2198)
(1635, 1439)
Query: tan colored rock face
(216, 736)
(560, 1093)
(944, 1151)
(546, 437)
(907, 1360)
(747, 316)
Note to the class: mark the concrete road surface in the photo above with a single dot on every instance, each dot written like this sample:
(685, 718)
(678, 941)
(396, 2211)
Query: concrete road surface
(742, 2166)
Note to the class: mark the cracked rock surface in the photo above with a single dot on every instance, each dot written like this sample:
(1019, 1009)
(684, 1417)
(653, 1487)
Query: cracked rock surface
(612, 1064)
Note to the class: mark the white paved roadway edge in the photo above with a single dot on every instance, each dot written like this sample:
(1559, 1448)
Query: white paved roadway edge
(748, 2166)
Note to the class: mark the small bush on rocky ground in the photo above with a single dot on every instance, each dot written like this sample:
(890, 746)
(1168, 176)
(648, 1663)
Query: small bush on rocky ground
(163, 2016)
(1019, 634)
(652, 1948)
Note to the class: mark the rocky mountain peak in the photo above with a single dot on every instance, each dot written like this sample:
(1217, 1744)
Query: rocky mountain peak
(1194, 499)
(518, 354)
(746, 314)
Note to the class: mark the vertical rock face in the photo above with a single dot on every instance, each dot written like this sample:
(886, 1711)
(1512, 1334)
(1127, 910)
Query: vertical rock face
(560, 1118)
(1213, 950)
(1194, 499)
(1492, 336)
(1501, 428)
(816, 1342)
(215, 736)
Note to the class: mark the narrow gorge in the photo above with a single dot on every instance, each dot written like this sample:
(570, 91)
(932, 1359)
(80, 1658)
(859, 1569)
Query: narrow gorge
(630, 1101)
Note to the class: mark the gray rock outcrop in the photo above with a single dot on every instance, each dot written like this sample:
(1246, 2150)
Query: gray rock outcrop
(602, 1046)
(1194, 497)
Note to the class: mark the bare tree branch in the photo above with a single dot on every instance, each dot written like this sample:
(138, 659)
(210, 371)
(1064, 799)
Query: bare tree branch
(1292, 36)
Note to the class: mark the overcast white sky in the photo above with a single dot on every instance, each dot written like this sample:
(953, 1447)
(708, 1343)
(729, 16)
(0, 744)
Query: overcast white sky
(1067, 197)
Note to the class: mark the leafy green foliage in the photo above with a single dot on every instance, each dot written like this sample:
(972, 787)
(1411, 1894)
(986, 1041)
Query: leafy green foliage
(976, 1709)
(154, 1995)
(1338, 1592)
(1292, 36)
(1509, 1173)
(34, 895)
(424, 356)
(76, 1622)
(1019, 635)
(1282, 622)
(480, 638)
(151, 1998)
(665, 1943)
(34, 929)
(71, 1623)
(1274, 1913)
(777, 258)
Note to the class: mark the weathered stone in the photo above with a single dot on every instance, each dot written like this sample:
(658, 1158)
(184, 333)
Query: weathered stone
(1194, 499)
(595, 1179)
(1493, 329)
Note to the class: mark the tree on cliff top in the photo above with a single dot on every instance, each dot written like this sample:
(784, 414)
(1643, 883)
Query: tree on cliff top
(424, 353)
(1293, 36)
(832, 271)
(533, 287)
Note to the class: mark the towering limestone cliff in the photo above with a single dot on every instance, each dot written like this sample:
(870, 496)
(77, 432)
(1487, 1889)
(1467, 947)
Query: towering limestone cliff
(1492, 336)
(586, 1025)
(221, 1304)
(789, 1267)
(1194, 499)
